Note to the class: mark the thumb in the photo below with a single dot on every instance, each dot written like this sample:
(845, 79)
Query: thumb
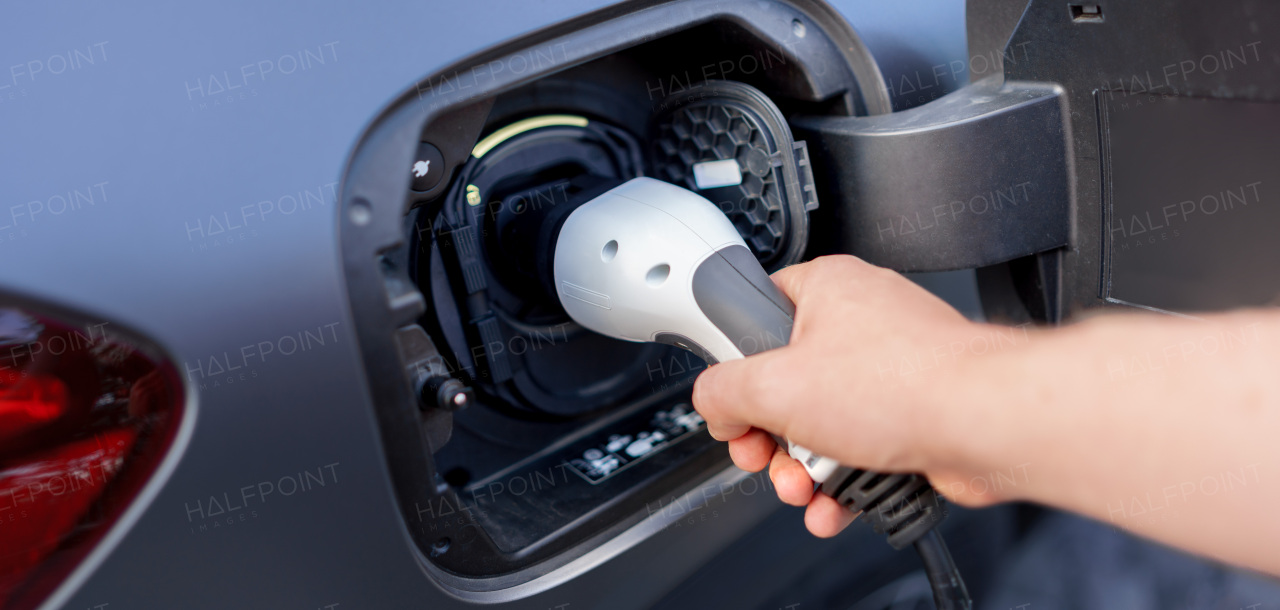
(734, 396)
(796, 280)
(790, 279)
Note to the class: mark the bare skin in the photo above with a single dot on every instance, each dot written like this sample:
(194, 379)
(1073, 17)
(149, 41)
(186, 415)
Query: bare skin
(1167, 427)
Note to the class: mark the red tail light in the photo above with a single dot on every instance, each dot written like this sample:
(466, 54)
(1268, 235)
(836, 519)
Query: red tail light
(85, 417)
(28, 404)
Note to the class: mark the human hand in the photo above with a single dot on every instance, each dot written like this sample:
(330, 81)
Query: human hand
(848, 385)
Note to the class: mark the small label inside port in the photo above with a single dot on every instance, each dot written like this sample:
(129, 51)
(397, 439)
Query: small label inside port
(715, 174)
(621, 450)
(1086, 12)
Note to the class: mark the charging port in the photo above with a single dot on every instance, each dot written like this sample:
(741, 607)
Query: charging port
(565, 437)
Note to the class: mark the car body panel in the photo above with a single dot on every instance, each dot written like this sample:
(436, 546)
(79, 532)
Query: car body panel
(195, 173)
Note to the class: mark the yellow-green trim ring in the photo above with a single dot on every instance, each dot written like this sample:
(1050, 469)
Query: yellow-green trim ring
(518, 127)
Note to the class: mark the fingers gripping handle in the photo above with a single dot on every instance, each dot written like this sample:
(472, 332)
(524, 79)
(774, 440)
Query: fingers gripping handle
(740, 300)
(737, 296)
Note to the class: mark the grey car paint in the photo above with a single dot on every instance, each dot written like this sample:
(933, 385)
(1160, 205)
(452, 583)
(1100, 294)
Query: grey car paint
(172, 167)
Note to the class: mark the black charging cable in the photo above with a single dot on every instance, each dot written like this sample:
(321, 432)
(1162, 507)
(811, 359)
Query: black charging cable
(906, 509)
(948, 588)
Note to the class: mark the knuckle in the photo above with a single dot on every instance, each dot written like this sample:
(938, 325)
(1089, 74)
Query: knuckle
(833, 264)
(765, 384)
(885, 273)
(773, 384)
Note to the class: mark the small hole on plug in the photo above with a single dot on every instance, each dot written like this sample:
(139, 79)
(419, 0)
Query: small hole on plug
(610, 250)
(657, 275)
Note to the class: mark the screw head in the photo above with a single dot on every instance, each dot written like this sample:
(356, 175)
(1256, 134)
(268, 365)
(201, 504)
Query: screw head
(444, 392)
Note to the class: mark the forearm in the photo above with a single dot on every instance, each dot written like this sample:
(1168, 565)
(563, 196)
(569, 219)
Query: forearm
(1162, 426)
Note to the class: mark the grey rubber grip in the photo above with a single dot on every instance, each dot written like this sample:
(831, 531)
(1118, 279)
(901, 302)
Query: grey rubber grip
(735, 293)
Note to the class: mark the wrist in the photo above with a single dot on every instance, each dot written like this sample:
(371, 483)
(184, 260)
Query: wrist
(972, 443)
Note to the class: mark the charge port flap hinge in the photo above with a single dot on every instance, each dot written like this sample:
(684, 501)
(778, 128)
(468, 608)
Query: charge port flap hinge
(804, 172)
(975, 178)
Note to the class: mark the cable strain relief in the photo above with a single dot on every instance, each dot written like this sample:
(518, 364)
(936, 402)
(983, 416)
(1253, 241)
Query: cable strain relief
(902, 506)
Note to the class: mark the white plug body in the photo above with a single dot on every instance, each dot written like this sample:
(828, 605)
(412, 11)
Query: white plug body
(633, 263)
(624, 263)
